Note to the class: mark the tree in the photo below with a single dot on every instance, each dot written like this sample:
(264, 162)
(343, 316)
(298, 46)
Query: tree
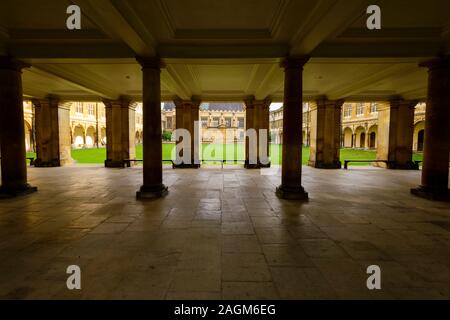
(167, 135)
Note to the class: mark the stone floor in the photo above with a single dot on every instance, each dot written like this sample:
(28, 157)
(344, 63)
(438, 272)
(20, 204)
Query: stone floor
(222, 234)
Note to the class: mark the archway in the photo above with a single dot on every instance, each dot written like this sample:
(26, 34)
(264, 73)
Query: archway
(78, 137)
(103, 136)
(372, 137)
(90, 137)
(372, 140)
(418, 127)
(362, 140)
(137, 137)
(360, 134)
(348, 137)
(28, 137)
(420, 138)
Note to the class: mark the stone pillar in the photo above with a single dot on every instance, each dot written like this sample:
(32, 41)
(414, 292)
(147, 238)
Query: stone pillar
(120, 132)
(52, 132)
(257, 117)
(187, 113)
(437, 132)
(291, 172)
(65, 134)
(325, 134)
(12, 131)
(395, 134)
(153, 186)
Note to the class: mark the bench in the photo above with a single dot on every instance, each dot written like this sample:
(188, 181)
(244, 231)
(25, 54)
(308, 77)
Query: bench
(128, 162)
(31, 161)
(28, 158)
(346, 162)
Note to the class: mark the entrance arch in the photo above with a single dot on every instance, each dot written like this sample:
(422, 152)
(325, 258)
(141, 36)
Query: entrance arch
(420, 139)
(360, 134)
(78, 137)
(372, 143)
(348, 137)
(418, 136)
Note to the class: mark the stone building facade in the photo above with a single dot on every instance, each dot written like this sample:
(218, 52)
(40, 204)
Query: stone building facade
(87, 121)
(219, 122)
(359, 125)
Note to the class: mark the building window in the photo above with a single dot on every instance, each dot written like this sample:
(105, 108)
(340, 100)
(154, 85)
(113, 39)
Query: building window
(373, 107)
(79, 107)
(241, 123)
(204, 122)
(228, 122)
(91, 110)
(215, 122)
(359, 109)
(348, 111)
(169, 123)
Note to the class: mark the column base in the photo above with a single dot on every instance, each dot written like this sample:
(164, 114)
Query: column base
(325, 165)
(432, 194)
(7, 193)
(185, 166)
(248, 165)
(38, 163)
(114, 164)
(152, 192)
(290, 193)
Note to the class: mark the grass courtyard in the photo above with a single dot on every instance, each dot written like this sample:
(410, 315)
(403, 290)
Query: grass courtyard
(217, 152)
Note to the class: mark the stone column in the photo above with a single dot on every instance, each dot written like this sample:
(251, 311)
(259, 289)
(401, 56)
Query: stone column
(257, 117)
(12, 131)
(325, 134)
(153, 186)
(52, 132)
(291, 172)
(437, 132)
(120, 132)
(395, 134)
(187, 113)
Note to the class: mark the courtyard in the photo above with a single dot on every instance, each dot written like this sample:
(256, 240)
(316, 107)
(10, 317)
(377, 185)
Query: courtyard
(223, 234)
(222, 151)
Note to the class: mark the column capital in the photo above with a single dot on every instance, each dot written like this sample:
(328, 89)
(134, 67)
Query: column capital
(442, 62)
(180, 103)
(150, 62)
(251, 102)
(323, 102)
(10, 63)
(294, 62)
(398, 102)
(123, 102)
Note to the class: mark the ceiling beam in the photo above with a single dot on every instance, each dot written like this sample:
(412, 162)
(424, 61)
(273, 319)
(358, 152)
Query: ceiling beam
(366, 82)
(81, 82)
(328, 19)
(175, 83)
(112, 22)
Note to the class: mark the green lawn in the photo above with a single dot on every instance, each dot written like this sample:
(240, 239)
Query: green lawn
(217, 152)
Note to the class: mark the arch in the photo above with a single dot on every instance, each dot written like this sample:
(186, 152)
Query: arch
(348, 137)
(103, 136)
(420, 140)
(419, 128)
(90, 137)
(372, 139)
(78, 136)
(28, 136)
(304, 137)
(360, 134)
(137, 137)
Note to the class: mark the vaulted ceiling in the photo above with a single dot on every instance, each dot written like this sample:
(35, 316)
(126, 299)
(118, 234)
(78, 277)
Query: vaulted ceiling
(225, 50)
